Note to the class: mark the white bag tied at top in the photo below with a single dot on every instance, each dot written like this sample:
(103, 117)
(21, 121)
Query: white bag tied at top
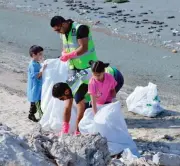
(144, 101)
(56, 71)
(110, 123)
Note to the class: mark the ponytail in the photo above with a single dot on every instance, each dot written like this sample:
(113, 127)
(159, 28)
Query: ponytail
(98, 66)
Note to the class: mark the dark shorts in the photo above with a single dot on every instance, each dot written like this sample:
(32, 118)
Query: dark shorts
(80, 95)
(119, 78)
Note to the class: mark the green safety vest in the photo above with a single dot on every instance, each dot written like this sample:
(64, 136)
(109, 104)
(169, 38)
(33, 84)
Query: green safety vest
(83, 77)
(71, 43)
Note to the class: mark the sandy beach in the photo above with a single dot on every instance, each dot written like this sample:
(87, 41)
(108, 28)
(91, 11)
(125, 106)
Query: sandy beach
(141, 61)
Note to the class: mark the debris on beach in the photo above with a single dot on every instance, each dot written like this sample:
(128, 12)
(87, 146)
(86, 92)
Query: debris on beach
(166, 159)
(170, 76)
(117, 1)
(174, 51)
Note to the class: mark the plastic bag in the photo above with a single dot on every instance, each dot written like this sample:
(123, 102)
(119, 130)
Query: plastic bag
(110, 123)
(144, 101)
(53, 108)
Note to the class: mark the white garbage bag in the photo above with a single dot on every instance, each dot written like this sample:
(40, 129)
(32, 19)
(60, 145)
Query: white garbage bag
(110, 123)
(53, 108)
(145, 101)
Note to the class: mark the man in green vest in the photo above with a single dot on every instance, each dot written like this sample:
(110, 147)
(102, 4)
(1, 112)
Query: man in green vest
(78, 45)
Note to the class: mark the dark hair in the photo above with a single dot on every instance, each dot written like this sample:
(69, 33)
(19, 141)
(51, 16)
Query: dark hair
(59, 89)
(56, 21)
(35, 50)
(98, 66)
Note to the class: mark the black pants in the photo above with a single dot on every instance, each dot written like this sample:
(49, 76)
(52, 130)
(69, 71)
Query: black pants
(34, 107)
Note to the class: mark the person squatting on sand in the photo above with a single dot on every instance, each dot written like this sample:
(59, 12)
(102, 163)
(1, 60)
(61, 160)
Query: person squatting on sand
(34, 83)
(103, 86)
(76, 87)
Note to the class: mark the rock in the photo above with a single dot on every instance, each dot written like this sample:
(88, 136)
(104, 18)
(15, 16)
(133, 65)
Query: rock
(174, 34)
(118, 11)
(166, 159)
(116, 162)
(170, 17)
(170, 76)
(81, 150)
(97, 22)
(174, 51)
(138, 23)
(144, 13)
(16, 151)
(126, 14)
(151, 31)
(119, 1)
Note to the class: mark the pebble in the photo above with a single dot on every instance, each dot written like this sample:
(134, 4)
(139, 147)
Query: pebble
(168, 137)
(55, 0)
(144, 13)
(170, 17)
(170, 76)
(114, 7)
(126, 14)
(174, 51)
(118, 11)
(174, 34)
(151, 31)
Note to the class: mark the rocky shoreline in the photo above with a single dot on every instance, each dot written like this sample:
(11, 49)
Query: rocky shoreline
(141, 24)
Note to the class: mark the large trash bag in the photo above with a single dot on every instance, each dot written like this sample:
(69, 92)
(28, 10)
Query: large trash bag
(145, 101)
(53, 108)
(110, 123)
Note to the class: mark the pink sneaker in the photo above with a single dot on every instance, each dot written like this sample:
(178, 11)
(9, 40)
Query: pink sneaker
(65, 128)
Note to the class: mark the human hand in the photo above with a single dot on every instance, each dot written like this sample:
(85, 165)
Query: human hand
(44, 67)
(64, 56)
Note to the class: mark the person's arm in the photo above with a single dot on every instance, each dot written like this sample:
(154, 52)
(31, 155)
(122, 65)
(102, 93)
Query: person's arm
(113, 93)
(41, 72)
(82, 37)
(34, 71)
(93, 102)
(92, 92)
(67, 110)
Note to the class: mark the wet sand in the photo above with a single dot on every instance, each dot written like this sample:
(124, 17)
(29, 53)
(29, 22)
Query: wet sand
(138, 62)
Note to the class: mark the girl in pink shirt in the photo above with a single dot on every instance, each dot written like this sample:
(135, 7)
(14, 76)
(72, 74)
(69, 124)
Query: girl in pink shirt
(102, 86)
